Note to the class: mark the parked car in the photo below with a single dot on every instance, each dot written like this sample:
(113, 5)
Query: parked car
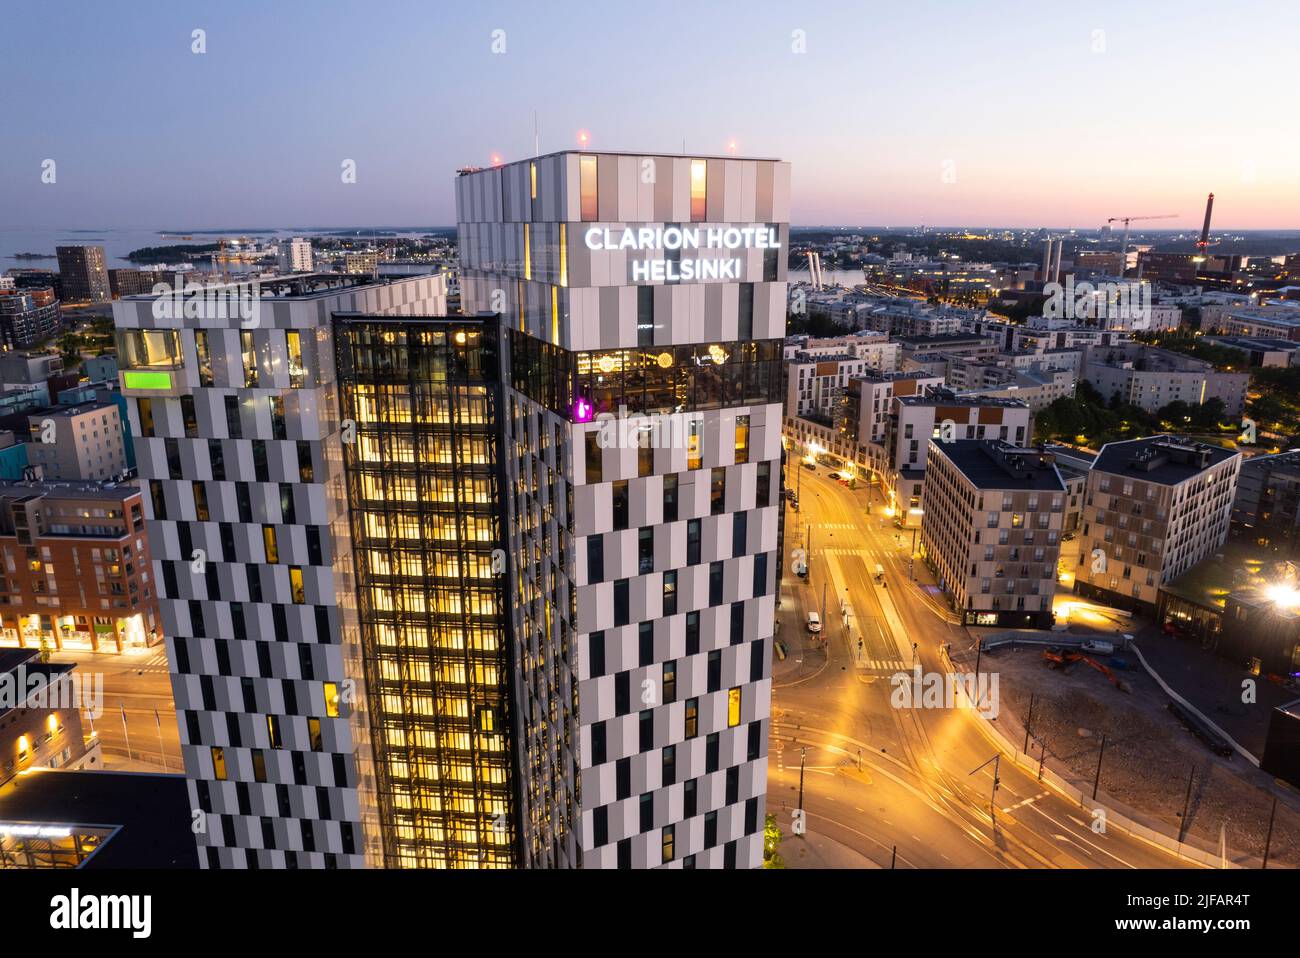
(814, 622)
(834, 475)
(809, 465)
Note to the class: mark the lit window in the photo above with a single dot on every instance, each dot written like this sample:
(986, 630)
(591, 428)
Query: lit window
(564, 254)
(587, 187)
(297, 372)
(733, 707)
(699, 181)
(272, 549)
(296, 586)
(218, 763)
(331, 700)
(742, 439)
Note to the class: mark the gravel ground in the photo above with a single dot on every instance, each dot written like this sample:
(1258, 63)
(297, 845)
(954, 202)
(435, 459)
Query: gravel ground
(1149, 754)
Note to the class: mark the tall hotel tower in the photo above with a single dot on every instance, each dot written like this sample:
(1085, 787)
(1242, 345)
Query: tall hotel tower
(642, 554)
(425, 604)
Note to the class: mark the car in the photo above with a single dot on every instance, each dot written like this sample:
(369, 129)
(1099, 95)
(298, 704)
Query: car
(834, 475)
(810, 465)
(814, 622)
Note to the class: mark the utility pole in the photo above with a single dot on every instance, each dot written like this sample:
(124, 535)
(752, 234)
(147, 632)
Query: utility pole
(993, 797)
(979, 650)
(1029, 722)
(803, 752)
(161, 754)
(1187, 803)
(122, 706)
(1097, 778)
(1268, 842)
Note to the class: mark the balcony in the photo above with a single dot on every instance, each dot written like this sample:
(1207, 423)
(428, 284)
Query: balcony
(151, 362)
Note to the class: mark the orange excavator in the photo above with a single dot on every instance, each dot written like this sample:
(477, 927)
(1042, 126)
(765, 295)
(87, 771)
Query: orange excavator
(1060, 658)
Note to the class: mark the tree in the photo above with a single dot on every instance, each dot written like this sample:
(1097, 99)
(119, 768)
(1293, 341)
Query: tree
(772, 843)
(1209, 414)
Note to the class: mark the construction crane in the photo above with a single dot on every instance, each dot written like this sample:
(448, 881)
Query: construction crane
(1123, 246)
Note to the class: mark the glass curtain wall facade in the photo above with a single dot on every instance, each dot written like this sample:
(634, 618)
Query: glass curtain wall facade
(423, 490)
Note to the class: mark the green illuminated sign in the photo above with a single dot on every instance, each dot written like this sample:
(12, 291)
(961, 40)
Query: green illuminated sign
(146, 380)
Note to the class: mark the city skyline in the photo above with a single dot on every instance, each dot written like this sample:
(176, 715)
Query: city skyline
(902, 140)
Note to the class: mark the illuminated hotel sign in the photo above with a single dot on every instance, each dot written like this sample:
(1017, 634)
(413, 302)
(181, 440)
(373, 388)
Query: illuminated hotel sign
(678, 238)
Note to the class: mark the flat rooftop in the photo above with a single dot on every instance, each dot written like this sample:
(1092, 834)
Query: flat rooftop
(1237, 568)
(993, 464)
(946, 398)
(58, 489)
(1165, 459)
(295, 287)
(148, 813)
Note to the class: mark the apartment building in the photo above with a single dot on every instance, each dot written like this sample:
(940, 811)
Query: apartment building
(1151, 378)
(870, 402)
(816, 384)
(295, 255)
(28, 316)
(1272, 321)
(77, 568)
(83, 277)
(943, 414)
(1266, 508)
(993, 515)
(365, 264)
(40, 728)
(77, 442)
(1153, 508)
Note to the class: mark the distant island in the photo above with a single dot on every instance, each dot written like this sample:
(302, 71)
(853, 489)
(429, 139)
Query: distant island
(171, 254)
(33, 256)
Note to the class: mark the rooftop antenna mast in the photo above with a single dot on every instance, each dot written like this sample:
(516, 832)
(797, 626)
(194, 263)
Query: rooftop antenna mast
(537, 149)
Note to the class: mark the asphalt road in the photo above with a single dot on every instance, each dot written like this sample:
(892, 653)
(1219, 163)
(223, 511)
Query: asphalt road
(906, 781)
(137, 684)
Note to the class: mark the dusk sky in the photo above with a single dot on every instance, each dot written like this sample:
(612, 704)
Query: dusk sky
(1041, 114)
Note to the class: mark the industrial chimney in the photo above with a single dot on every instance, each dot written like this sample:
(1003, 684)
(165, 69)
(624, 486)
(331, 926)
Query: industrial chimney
(1047, 260)
(1204, 245)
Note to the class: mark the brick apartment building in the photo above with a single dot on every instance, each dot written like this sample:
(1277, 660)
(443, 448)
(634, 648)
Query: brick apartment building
(75, 567)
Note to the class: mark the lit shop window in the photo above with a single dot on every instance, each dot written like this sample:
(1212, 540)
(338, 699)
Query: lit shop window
(699, 182)
(587, 187)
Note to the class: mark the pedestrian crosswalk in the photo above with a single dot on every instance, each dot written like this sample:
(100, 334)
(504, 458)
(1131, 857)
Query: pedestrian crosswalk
(886, 665)
(861, 553)
(836, 525)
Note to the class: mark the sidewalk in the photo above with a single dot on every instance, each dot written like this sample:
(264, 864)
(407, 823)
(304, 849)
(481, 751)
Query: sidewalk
(805, 656)
(812, 850)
